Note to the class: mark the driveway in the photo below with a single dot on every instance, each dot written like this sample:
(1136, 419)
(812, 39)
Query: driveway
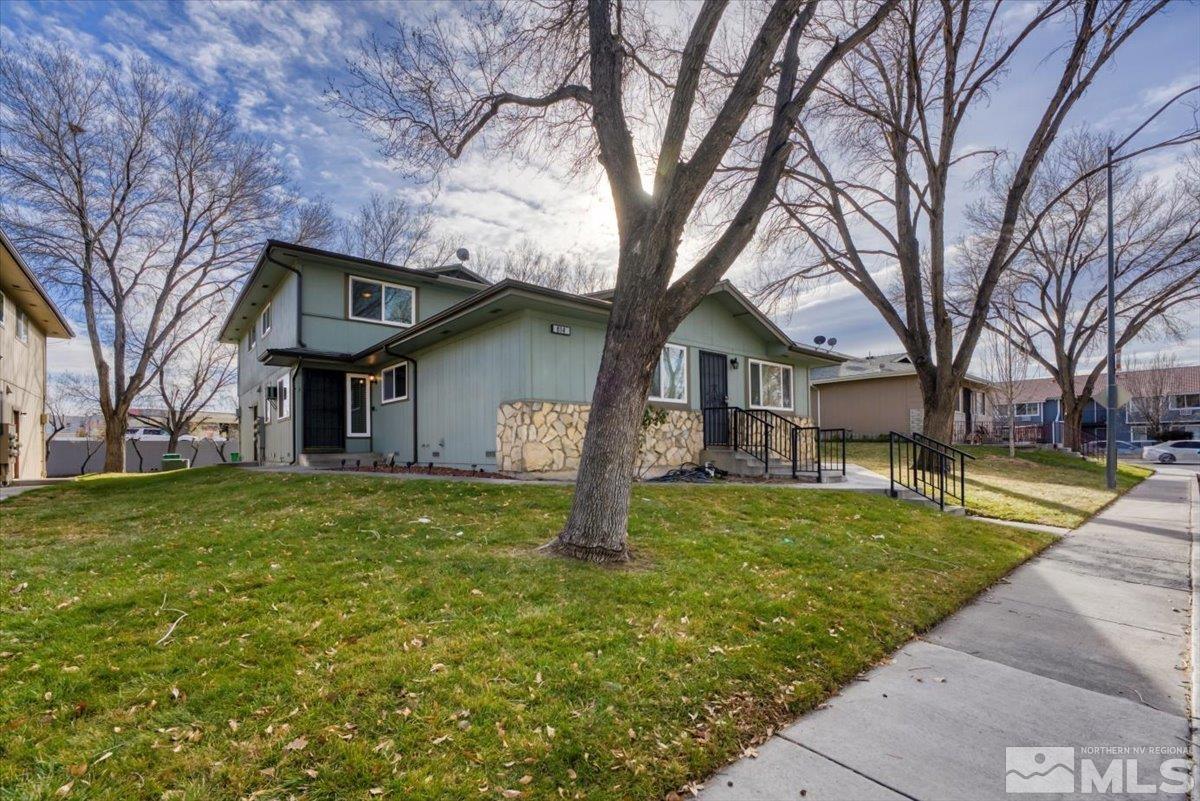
(1079, 659)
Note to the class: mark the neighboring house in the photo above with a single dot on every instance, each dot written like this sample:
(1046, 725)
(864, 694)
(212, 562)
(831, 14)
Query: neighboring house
(879, 394)
(341, 355)
(205, 425)
(1039, 403)
(27, 318)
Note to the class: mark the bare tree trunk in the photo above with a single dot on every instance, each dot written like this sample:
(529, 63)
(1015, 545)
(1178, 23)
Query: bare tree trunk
(115, 427)
(1072, 415)
(938, 413)
(173, 442)
(1012, 429)
(596, 528)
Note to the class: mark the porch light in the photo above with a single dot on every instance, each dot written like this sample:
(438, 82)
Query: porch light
(733, 362)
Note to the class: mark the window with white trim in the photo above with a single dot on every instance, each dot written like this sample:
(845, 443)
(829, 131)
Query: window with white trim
(3, 311)
(265, 320)
(380, 302)
(22, 326)
(283, 396)
(770, 386)
(1021, 409)
(358, 406)
(669, 381)
(267, 404)
(393, 383)
(1186, 401)
(252, 338)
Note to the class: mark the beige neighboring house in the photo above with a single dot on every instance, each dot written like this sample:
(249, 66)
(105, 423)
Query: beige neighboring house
(27, 318)
(872, 396)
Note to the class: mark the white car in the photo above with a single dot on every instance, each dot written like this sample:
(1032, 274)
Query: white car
(1184, 450)
(150, 434)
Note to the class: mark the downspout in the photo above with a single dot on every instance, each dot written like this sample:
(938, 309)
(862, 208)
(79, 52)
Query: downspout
(294, 417)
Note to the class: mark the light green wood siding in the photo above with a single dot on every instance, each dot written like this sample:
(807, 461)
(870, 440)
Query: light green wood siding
(460, 384)
(391, 423)
(564, 368)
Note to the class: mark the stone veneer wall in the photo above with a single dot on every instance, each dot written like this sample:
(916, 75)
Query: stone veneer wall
(547, 437)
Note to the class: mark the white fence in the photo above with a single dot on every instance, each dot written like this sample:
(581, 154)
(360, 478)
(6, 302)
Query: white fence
(74, 457)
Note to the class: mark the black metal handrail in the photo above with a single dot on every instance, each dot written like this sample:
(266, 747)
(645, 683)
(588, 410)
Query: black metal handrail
(734, 427)
(762, 434)
(928, 467)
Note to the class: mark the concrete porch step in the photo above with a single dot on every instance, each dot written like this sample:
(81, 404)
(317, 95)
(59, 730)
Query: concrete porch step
(739, 463)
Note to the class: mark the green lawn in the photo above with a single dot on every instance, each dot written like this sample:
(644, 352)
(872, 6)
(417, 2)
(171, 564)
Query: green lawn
(1036, 486)
(356, 637)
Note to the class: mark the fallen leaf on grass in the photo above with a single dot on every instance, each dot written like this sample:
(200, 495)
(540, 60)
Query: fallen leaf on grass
(526, 779)
(299, 744)
(78, 770)
(63, 791)
(511, 793)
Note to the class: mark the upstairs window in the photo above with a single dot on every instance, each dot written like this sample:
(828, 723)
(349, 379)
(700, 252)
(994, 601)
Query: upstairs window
(1187, 401)
(669, 381)
(394, 384)
(252, 338)
(22, 326)
(265, 320)
(283, 396)
(770, 386)
(381, 302)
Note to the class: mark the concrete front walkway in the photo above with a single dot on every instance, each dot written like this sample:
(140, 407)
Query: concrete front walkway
(1087, 647)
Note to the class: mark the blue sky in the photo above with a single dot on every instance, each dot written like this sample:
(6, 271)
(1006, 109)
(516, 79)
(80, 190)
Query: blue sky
(272, 61)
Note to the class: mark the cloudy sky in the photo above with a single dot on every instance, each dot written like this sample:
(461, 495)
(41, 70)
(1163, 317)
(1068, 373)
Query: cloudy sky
(273, 61)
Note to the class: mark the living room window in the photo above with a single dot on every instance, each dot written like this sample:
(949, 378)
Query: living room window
(380, 302)
(394, 384)
(770, 386)
(669, 381)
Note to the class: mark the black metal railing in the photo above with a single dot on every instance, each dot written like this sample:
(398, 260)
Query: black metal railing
(734, 427)
(764, 435)
(928, 467)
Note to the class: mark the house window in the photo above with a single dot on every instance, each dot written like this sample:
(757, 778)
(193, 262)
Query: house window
(3, 313)
(669, 381)
(266, 405)
(265, 319)
(22, 326)
(380, 302)
(770, 386)
(394, 383)
(283, 396)
(1186, 402)
(252, 338)
(358, 406)
(1021, 409)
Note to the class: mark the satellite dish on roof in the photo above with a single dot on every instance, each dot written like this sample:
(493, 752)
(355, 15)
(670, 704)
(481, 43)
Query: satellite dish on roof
(463, 254)
(832, 341)
(820, 340)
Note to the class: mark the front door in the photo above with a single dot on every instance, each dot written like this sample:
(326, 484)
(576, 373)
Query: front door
(714, 393)
(324, 410)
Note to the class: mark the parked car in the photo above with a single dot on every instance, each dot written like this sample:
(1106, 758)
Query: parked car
(1184, 450)
(151, 434)
(1140, 444)
(1124, 447)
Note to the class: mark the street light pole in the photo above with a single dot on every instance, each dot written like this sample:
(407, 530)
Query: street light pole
(1110, 423)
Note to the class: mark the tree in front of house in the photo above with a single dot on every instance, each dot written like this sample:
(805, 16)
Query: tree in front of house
(1052, 302)
(566, 272)
(199, 375)
(667, 99)
(1006, 366)
(141, 202)
(882, 164)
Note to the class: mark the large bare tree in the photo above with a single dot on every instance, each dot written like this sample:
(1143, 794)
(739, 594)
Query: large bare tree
(391, 230)
(879, 160)
(660, 112)
(1006, 366)
(1052, 301)
(142, 201)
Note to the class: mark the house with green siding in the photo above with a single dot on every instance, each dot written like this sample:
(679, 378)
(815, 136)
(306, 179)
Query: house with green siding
(346, 358)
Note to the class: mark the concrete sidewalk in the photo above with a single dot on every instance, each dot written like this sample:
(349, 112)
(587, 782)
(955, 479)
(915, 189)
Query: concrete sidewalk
(1086, 646)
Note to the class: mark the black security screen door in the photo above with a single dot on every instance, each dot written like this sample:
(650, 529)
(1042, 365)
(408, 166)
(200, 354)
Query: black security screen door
(714, 392)
(324, 410)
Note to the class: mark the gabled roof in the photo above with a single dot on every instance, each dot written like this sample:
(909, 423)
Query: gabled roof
(19, 284)
(1182, 379)
(265, 267)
